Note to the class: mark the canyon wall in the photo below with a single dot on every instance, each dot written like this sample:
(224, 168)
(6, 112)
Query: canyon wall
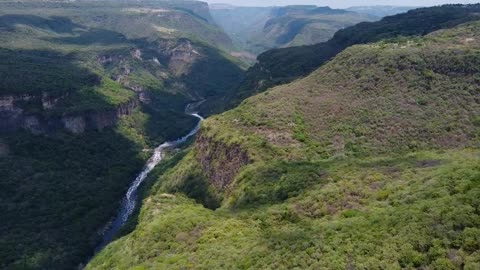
(219, 162)
(14, 117)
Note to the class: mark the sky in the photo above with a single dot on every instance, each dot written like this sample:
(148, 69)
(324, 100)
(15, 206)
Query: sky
(340, 3)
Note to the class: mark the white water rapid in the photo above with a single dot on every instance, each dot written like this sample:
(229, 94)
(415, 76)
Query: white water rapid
(130, 200)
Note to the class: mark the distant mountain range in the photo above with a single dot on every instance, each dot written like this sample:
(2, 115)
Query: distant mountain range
(279, 66)
(257, 29)
(381, 11)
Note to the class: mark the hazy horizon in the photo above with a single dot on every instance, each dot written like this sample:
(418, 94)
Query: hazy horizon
(339, 3)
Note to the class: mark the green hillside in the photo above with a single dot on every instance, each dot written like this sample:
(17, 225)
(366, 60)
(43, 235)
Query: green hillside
(280, 66)
(371, 162)
(87, 90)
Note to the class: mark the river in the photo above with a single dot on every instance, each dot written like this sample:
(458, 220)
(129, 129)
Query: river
(130, 199)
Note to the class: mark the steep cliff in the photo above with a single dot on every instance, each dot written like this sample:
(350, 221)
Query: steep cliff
(219, 162)
(207, 173)
(14, 116)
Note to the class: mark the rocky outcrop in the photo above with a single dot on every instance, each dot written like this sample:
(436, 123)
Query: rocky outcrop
(182, 57)
(74, 124)
(50, 101)
(98, 120)
(169, 60)
(172, 56)
(220, 162)
(4, 149)
(13, 117)
(136, 54)
(101, 120)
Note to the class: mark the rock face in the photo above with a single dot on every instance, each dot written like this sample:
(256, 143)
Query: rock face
(101, 120)
(220, 162)
(50, 101)
(13, 117)
(74, 124)
(172, 60)
(182, 57)
(4, 150)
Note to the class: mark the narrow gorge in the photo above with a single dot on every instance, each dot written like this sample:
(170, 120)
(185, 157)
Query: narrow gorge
(130, 199)
(47, 119)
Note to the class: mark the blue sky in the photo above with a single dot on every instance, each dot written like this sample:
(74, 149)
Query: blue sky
(340, 3)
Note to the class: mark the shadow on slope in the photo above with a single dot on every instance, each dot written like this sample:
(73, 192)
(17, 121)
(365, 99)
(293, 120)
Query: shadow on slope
(57, 192)
(57, 24)
(42, 71)
(92, 36)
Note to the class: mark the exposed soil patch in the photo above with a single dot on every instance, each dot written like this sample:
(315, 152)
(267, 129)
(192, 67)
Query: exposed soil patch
(428, 163)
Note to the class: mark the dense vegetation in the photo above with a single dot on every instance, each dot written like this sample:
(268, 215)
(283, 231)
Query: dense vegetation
(59, 190)
(280, 66)
(369, 214)
(61, 75)
(371, 162)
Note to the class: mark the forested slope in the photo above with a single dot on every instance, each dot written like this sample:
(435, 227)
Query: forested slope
(370, 162)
